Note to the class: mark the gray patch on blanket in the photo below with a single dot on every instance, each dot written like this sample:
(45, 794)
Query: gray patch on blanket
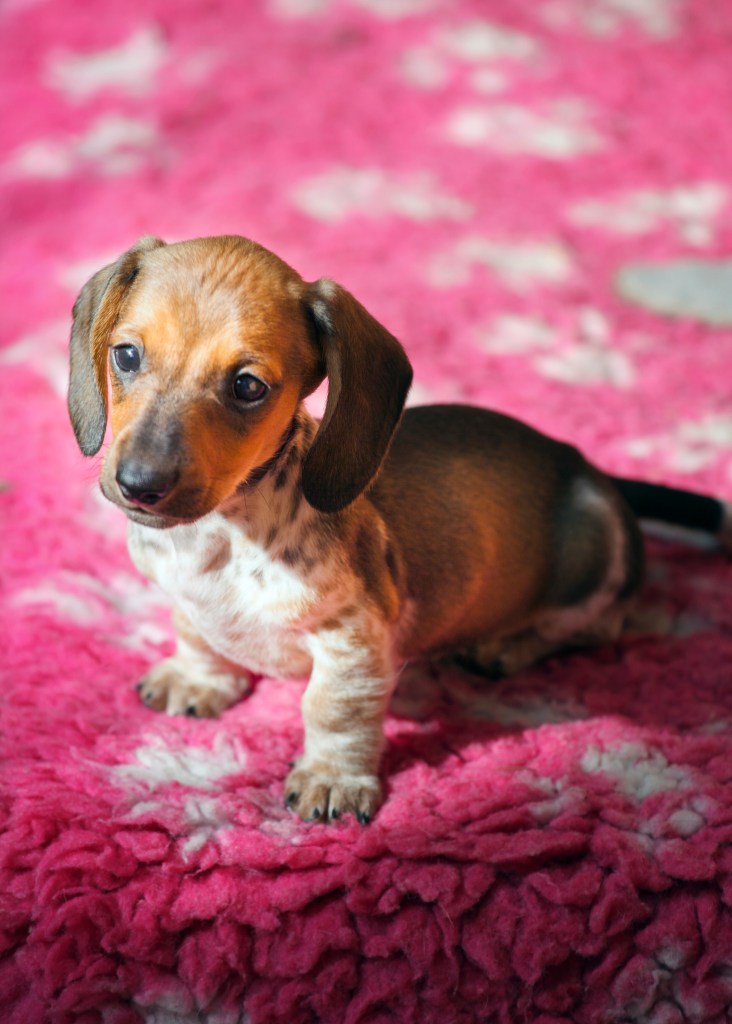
(700, 289)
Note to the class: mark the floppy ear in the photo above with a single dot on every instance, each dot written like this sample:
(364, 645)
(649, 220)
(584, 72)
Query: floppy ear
(368, 380)
(95, 313)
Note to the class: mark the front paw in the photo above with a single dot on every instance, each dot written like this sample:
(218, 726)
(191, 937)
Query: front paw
(320, 792)
(174, 687)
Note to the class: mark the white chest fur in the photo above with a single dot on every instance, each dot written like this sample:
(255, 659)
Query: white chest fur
(254, 609)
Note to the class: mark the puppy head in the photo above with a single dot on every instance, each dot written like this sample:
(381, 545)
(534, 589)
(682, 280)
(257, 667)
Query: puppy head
(208, 347)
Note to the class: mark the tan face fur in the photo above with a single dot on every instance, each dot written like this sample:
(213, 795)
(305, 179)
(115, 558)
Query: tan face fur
(199, 315)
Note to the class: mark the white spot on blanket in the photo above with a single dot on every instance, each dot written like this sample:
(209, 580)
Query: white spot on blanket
(44, 352)
(715, 727)
(588, 366)
(607, 17)
(554, 796)
(298, 8)
(482, 41)
(690, 210)
(168, 1014)
(113, 144)
(491, 50)
(686, 446)
(640, 771)
(513, 335)
(68, 605)
(685, 821)
(40, 158)
(342, 191)
(671, 957)
(392, 9)
(204, 820)
(131, 67)
(116, 143)
(156, 764)
(199, 817)
(519, 265)
(560, 132)
(142, 636)
(578, 353)
(387, 9)
(85, 599)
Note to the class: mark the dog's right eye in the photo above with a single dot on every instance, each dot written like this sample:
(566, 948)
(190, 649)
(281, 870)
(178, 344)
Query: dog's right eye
(126, 358)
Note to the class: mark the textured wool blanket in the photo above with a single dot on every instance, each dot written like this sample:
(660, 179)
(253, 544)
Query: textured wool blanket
(481, 174)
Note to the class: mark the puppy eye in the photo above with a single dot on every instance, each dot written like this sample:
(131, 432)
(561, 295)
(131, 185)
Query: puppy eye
(126, 358)
(248, 388)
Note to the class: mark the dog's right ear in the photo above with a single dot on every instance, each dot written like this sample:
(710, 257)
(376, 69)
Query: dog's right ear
(96, 311)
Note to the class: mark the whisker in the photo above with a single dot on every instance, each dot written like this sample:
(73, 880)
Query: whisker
(262, 497)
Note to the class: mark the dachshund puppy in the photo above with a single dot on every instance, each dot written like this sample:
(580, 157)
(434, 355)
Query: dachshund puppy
(332, 550)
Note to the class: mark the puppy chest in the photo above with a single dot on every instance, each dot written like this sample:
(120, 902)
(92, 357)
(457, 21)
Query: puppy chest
(247, 606)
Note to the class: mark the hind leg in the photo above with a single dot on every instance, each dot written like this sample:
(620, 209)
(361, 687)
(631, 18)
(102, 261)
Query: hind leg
(555, 630)
(598, 558)
(506, 656)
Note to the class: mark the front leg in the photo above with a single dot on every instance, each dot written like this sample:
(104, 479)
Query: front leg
(343, 711)
(195, 680)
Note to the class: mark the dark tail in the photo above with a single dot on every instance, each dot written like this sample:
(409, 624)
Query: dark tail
(680, 508)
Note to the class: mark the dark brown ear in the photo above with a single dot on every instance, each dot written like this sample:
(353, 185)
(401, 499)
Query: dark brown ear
(368, 380)
(95, 313)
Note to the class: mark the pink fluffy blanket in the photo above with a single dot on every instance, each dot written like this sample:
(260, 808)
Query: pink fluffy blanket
(553, 849)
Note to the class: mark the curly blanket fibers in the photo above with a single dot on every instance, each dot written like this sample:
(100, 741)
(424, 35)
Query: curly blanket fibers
(553, 849)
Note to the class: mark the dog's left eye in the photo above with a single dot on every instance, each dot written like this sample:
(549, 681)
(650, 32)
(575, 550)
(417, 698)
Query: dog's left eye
(127, 358)
(248, 388)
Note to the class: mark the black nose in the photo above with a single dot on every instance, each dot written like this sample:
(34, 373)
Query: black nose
(145, 484)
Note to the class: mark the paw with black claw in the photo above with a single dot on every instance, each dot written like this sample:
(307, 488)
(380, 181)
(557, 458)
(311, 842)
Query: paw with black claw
(319, 793)
(171, 687)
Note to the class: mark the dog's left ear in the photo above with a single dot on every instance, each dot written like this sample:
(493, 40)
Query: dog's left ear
(95, 313)
(368, 379)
